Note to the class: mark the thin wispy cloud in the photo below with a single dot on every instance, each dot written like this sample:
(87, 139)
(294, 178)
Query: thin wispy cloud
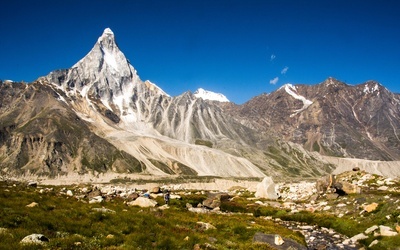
(284, 70)
(272, 57)
(274, 81)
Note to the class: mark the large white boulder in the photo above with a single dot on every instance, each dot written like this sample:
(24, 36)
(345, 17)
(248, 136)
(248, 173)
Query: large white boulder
(267, 189)
(35, 239)
(143, 202)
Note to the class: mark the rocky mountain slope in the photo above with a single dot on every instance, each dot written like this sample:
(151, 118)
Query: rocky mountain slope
(331, 118)
(99, 116)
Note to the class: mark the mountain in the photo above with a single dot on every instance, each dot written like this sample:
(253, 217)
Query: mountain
(331, 118)
(209, 95)
(99, 117)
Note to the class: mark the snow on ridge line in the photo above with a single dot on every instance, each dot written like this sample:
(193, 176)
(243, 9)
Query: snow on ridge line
(367, 89)
(291, 90)
(209, 95)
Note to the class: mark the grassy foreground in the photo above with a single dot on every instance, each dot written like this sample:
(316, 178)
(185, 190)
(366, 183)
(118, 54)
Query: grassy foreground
(73, 224)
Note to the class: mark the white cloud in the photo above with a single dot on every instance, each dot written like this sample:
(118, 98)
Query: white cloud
(272, 57)
(274, 81)
(284, 70)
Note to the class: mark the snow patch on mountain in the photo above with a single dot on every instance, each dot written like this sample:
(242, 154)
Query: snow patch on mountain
(291, 90)
(371, 89)
(209, 95)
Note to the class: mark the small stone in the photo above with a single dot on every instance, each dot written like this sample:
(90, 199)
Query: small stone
(327, 208)
(383, 188)
(371, 207)
(103, 210)
(332, 196)
(186, 238)
(69, 193)
(373, 243)
(278, 240)
(32, 184)
(196, 247)
(33, 204)
(398, 228)
(371, 229)
(110, 236)
(358, 237)
(205, 226)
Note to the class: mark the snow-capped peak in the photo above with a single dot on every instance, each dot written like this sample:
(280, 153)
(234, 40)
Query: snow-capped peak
(108, 31)
(371, 87)
(209, 95)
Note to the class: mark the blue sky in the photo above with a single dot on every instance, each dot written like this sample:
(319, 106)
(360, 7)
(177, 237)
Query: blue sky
(241, 48)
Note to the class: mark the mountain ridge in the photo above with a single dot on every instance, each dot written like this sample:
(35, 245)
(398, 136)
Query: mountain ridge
(281, 134)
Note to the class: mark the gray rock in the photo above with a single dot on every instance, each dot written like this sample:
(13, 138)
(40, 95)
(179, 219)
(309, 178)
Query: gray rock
(94, 193)
(211, 203)
(205, 226)
(198, 210)
(324, 183)
(96, 199)
(143, 202)
(270, 239)
(32, 184)
(333, 196)
(155, 190)
(358, 237)
(371, 229)
(133, 196)
(387, 231)
(34, 239)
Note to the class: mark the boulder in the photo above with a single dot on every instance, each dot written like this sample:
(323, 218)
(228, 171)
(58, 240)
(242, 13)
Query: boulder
(214, 200)
(349, 188)
(324, 183)
(155, 190)
(387, 231)
(267, 189)
(133, 196)
(211, 203)
(34, 239)
(143, 202)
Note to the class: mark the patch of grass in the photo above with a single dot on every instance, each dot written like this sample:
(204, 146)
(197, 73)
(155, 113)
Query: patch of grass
(72, 224)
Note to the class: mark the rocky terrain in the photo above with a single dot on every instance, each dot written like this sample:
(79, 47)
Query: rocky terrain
(352, 210)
